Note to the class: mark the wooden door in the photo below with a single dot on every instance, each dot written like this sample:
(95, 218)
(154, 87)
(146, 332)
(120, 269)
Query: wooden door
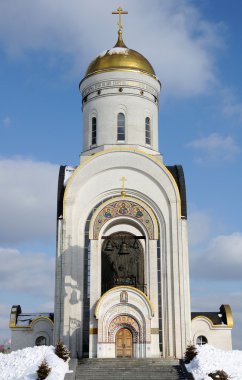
(124, 344)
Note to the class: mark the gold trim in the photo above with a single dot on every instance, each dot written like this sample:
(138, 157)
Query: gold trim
(121, 198)
(124, 287)
(93, 330)
(154, 330)
(119, 149)
(11, 324)
(31, 324)
(229, 316)
(120, 69)
(210, 321)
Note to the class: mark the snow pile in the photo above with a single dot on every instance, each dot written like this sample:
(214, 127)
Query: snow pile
(115, 50)
(23, 364)
(118, 50)
(102, 54)
(210, 359)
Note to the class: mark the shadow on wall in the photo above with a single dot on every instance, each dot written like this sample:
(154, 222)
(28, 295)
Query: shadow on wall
(72, 299)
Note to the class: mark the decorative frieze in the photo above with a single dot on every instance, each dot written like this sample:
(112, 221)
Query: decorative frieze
(119, 83)
(124, 208)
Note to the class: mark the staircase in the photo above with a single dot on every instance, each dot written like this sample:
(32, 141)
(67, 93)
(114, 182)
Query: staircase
(129, 369)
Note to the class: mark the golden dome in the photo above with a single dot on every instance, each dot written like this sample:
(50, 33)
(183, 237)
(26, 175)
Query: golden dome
(120, 58)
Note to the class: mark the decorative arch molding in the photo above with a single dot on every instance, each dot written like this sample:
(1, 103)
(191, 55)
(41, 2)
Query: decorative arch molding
(207, 321)
(126, 207)
(124, 321)
(74, 179)
(112, 298)
(135, 313)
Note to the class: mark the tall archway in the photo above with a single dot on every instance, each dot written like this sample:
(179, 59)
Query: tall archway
(122, 261)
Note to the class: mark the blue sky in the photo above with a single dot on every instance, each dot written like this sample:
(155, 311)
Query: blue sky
(195, 49)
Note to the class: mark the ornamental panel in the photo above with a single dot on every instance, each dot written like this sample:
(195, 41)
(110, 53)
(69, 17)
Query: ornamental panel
(125, 321)
(125, 208)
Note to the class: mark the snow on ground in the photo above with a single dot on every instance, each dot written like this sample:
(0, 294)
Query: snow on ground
(23, 364)
(210, 359)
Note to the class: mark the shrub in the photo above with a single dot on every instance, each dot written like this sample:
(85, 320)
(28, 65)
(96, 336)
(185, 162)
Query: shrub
(191, 353)
(62, 351)
(43, 370)
(219, 375)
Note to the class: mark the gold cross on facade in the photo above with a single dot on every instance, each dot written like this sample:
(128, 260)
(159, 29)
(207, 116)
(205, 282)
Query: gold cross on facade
(123, 192)
(120, 12)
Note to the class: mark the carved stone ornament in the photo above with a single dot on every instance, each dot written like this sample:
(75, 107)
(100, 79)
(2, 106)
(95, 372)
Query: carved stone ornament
(123, 296)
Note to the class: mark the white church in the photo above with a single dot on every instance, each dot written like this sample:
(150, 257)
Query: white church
(122, 273)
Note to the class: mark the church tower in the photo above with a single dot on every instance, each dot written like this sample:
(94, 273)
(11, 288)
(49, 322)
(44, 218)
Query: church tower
(122, 278)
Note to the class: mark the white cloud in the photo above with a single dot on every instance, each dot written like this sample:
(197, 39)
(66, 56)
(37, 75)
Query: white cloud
(4, 315)
(7, 122)
(221, 260)
(200, 226)
(46, 307)
(215, 149)
(173, 34)
(26, 273)
(26, 279)
(4, 321)
(27, 200)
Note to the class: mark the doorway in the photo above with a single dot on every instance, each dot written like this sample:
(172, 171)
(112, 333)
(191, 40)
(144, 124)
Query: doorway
(124, 344)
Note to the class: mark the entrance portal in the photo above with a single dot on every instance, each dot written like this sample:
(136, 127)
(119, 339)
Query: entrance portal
(124, 344)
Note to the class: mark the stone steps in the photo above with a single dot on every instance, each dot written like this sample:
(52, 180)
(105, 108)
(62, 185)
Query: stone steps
(129, 369)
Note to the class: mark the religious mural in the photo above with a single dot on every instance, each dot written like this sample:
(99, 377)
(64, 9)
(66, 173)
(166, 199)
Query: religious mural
(125, 208)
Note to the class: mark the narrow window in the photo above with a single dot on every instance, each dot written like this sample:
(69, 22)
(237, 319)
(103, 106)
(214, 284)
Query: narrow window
(147, 130)
(201, 340)
(121, 127)
(94, 131)
(40, 341)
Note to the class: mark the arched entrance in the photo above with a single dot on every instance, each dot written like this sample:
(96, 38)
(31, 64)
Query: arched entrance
(133, 312)
(124, 343)
(122, 262)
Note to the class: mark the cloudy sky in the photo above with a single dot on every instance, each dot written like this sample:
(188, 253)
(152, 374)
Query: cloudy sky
(195, 49)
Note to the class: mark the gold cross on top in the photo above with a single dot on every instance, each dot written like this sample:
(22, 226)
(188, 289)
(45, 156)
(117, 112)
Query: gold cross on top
(119, 12)
(123, 192)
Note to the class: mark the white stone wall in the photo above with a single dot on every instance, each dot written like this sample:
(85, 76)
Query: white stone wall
(22, 337)
(106, 106)
(217, 336)
(98, 177)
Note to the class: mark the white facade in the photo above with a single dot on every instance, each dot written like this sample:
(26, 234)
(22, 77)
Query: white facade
(131, 93)
(30, 329)
(217, 336)
(213, 328)
(150, 185)
(150, 188)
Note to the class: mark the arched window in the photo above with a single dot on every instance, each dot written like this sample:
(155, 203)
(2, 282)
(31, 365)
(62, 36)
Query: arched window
(201, 340)
(121, 127)
(147, 130)
(40, 341)
(94, 130)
